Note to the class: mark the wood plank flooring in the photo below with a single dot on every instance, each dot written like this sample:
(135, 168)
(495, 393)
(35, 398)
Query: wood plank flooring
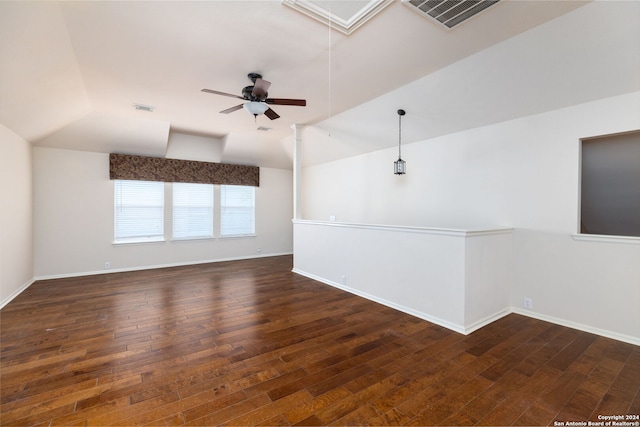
(251, 343)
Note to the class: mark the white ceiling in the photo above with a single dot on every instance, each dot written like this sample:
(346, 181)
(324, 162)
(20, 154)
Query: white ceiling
(71, 72)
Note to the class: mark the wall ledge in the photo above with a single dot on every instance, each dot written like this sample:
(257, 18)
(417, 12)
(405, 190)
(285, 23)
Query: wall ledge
(629, 240)
(458, 232)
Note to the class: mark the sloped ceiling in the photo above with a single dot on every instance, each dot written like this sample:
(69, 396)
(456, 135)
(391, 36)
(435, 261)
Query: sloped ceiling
(71, 72)
(590, 54)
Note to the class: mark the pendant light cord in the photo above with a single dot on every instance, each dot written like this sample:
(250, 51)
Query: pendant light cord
(399, 136)
(400, 114)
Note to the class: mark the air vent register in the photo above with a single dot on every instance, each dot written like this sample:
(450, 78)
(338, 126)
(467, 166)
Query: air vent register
(448, 13)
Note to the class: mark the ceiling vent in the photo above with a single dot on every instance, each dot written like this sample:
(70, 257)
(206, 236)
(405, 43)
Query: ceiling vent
(448, 13)
(142, 107)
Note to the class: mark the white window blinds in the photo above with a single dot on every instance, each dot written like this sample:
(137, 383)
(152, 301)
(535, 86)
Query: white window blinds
(139, 211)
(237, 210)
(192, 211)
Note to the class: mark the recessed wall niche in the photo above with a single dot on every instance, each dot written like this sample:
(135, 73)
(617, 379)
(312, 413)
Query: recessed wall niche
(610, 185)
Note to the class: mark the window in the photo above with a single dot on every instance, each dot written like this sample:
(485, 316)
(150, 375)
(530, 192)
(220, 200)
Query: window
(192, 211)
(610, 185)
(237, 210)
(139, 211)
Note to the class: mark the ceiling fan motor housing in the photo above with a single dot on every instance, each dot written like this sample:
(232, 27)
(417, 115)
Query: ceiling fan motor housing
(247, 93)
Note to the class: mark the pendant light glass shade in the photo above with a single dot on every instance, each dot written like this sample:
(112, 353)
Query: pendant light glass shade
(400, 166)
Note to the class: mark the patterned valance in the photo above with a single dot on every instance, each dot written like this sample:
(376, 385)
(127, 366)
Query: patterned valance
(142, 168)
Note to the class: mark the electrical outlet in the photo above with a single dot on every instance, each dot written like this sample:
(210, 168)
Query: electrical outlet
(259, 250)
(107, 265)
(343, 278)
(527, 303)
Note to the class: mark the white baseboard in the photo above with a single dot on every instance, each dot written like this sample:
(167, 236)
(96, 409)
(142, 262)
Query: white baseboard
(452, 326)
(22, 288)
(489, 319)
(424, 316)
(17, 292)
(481, 323)
(152, 267)
(579, 326)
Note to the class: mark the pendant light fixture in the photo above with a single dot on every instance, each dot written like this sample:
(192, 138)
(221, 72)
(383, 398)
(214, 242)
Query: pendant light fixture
(400, 166)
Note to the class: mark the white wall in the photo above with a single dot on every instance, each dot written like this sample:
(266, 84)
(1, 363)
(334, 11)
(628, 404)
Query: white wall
(522, 173)
(16, 215)
(391, 266)
(523, 170)
(458, 279)
(73, 220)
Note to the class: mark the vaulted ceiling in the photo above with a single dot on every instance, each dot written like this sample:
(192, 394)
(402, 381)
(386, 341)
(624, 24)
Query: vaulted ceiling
(72, 71)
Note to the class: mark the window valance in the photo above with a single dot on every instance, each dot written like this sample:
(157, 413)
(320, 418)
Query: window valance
(143, 168)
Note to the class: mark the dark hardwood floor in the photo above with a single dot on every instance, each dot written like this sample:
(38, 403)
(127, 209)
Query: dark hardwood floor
(251, 343)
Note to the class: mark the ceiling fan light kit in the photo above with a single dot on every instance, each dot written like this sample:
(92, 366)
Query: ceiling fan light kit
(257, 99)
(255, 107)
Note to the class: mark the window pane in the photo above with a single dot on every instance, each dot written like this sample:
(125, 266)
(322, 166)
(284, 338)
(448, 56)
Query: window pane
(192, 211)
(139, 211)
(237, 210)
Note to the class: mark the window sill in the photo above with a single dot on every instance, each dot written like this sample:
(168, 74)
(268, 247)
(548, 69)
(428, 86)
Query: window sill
(606, 238)
(191, 239)
(237, 236)
(137, 241)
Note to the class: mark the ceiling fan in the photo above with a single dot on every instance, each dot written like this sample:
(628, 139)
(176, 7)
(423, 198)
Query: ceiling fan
(256, 97)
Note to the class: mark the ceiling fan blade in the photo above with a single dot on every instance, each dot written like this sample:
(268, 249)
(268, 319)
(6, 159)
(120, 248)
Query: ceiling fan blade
(285, 101)
(215, 92)
(260, 88)
(271, 114)
(232, 109)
